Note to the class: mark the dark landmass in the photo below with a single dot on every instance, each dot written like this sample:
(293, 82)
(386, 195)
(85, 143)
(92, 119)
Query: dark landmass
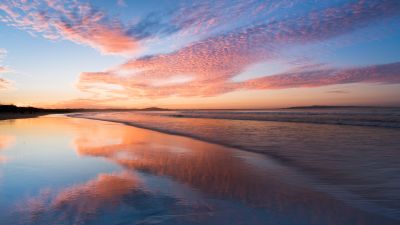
(14, 112)
(9, 109)
(337, 107)
(154, 109)
(8, 116)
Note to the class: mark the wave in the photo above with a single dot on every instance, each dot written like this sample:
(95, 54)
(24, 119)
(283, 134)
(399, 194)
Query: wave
(360, 159)
(381, 118)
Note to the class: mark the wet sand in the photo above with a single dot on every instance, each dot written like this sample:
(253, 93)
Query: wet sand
(357, 164)
(77, 171)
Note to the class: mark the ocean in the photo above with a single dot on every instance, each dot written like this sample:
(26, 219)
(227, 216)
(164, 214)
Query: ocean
(351, 153)
(286, 167)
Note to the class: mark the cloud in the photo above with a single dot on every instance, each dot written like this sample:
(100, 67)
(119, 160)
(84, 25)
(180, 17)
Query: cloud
(3, 54)
(71, 20)
(84, 24)
(91, 102)
(212, 63)
(226, 44)
(385, 73)
(121, 3)
(313, 77)
(4, 84)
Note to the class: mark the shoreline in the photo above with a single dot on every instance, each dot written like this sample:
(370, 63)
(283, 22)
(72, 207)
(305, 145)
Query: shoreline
(279, 158)
(153, 166)
(239, 147)
(300, 174)
(314, 176)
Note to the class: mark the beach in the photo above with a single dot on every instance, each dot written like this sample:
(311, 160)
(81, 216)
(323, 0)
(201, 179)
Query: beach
(350, 153)
(225, 112)
(70, 170)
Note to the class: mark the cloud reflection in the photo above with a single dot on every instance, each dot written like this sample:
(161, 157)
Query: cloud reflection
(79, 203)
(170, 179)
(214, 170)
(5, 142)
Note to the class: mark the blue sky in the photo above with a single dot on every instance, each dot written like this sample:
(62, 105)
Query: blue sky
(204, 54)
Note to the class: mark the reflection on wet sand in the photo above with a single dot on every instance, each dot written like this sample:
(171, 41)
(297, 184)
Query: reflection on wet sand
(79, 203)
(219, 172)
(5, 142)
(115, 199)
(166, 179)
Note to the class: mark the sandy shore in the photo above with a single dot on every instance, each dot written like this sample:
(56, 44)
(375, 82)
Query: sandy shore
(108, 173)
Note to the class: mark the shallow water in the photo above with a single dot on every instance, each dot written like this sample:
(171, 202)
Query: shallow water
(62, 170)
(359, 164)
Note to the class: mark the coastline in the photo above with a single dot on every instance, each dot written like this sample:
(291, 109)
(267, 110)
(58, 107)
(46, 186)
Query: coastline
(151, 161)
(333, 179)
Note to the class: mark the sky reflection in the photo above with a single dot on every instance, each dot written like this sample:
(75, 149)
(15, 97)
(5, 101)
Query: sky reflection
(5, 142)
(156, 178)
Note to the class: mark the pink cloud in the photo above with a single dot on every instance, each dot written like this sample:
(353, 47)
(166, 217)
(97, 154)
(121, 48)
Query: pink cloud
(4, 84)
(106, 39)
(386, 73)
(71, 20)
(212, 63)
(90, 102)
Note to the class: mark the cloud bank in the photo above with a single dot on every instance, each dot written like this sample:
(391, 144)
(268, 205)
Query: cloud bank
(210, 65)
(4, 83)
(70, 20)
(225, 42)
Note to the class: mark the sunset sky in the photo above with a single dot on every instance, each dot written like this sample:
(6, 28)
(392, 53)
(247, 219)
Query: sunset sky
(199, 54)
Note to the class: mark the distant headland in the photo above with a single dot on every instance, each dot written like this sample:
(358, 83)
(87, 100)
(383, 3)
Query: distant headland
(14, 112)
(335, 107)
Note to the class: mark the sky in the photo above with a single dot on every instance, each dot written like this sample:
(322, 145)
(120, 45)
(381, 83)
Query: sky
(199, 54)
